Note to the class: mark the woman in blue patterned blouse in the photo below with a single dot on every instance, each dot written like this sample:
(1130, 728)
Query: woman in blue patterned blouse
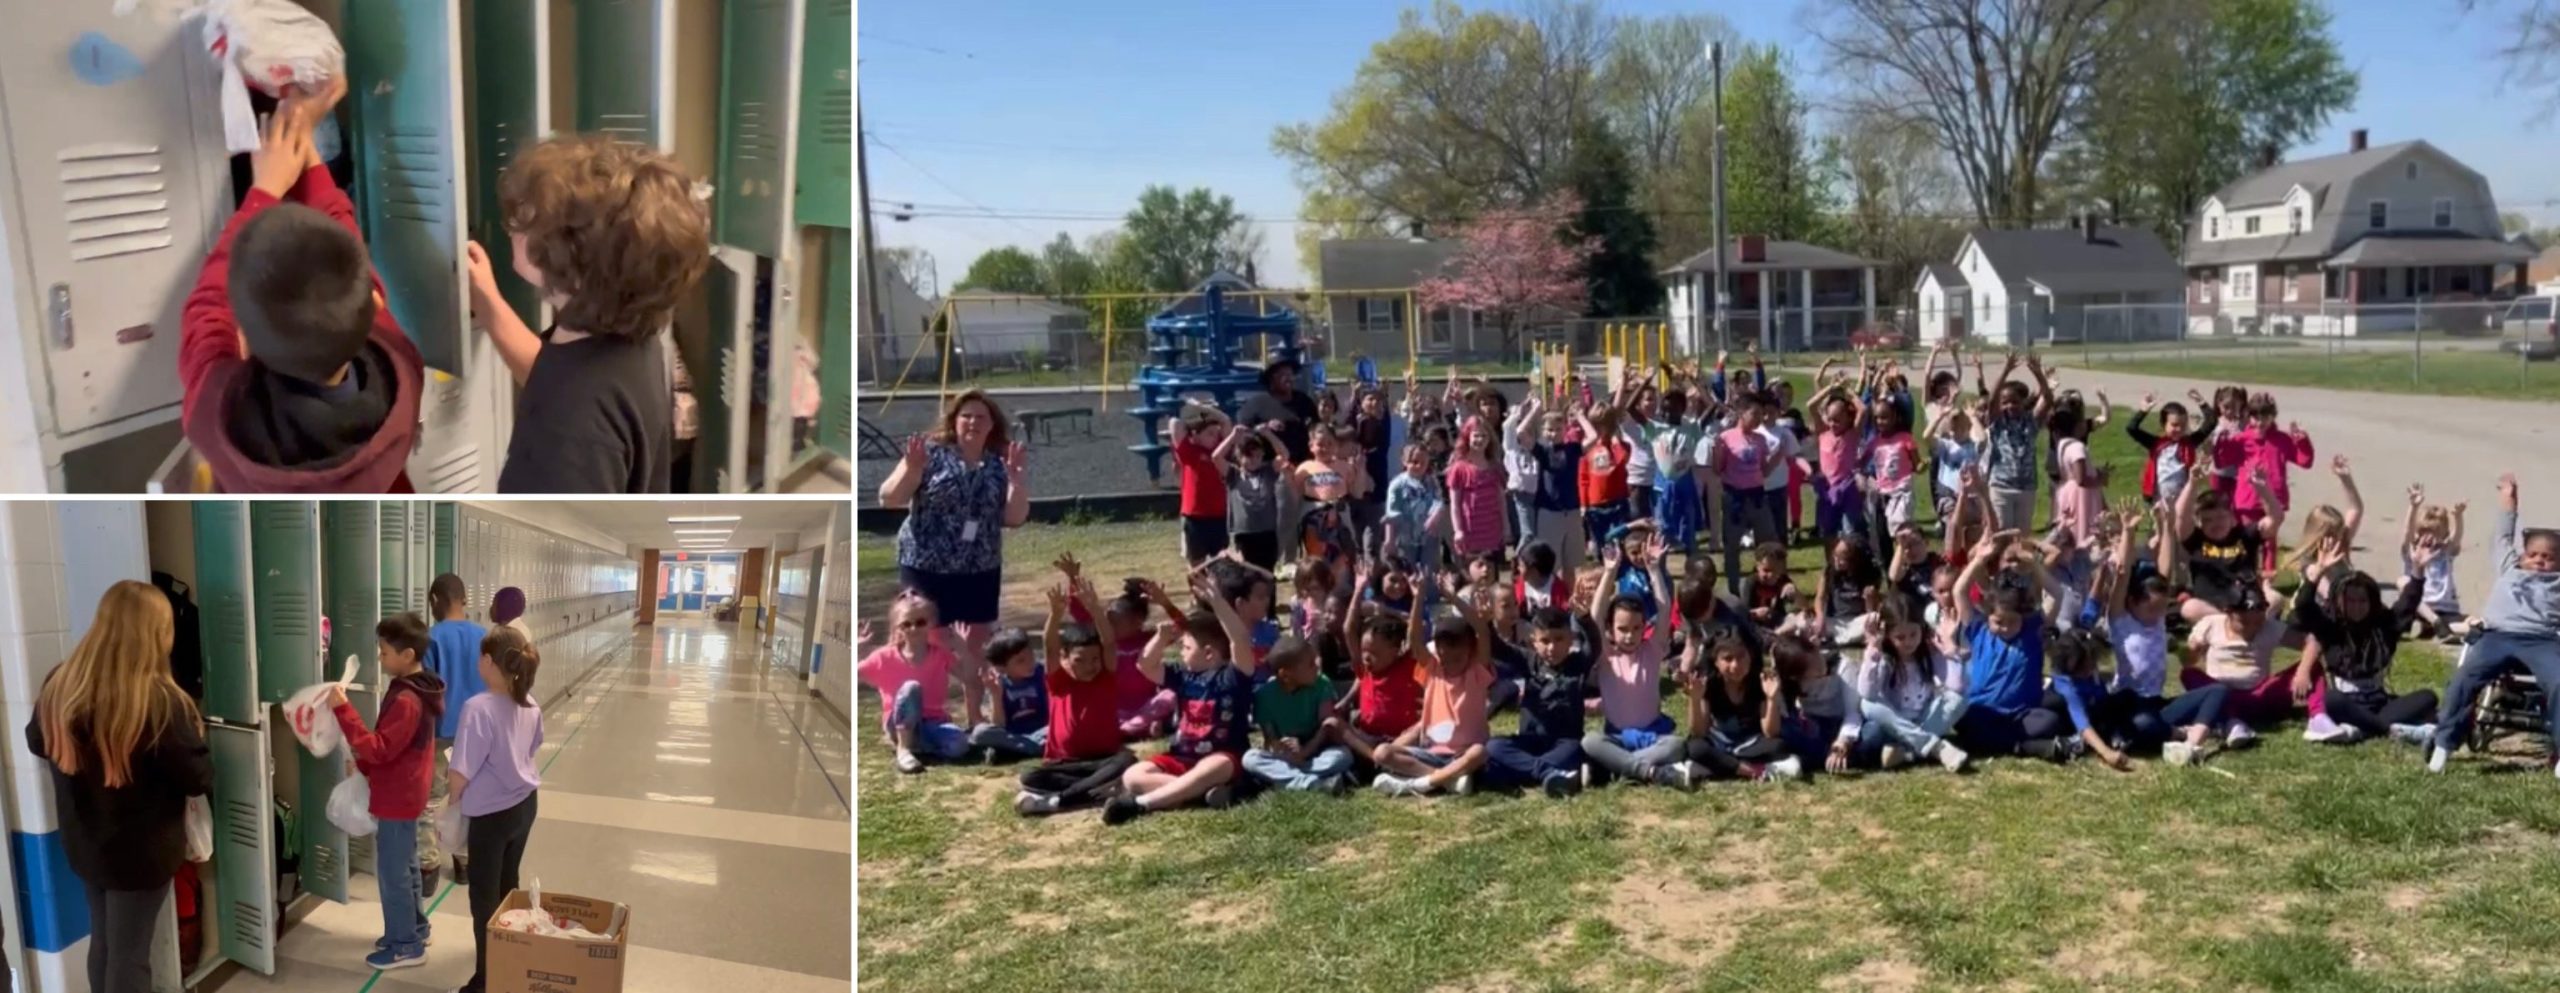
(962, 487)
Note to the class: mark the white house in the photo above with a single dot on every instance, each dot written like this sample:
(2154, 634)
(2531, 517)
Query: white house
(2346, 244)
(2019, 286)
(1786, 295)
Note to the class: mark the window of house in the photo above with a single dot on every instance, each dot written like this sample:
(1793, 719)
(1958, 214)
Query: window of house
(2333, 284)
(2249, 224)
(2377, 215)
(2410, 170)
(2460, 280)
(2212, 227)
(1382, 313)
(2243, 283)
(2421, 281)
(2293, 220)
(1442, 331)
(2444, 212)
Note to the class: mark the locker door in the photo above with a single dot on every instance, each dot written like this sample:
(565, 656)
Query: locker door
(721, 388)
(824, 177)
(324, 845)
(284, 552)
(244, 854)
(835, 347)
(510, 97)
(227, 623)
(446, 538)
(623, 68)
(352, 567)
(753, 208)
(403, 70)
(394, 559)
(422, 554)
(121, 188)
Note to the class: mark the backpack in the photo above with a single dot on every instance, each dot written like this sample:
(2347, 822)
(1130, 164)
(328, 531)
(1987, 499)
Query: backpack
(186, 650)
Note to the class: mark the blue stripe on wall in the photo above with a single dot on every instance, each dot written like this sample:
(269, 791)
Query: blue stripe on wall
(52, 904)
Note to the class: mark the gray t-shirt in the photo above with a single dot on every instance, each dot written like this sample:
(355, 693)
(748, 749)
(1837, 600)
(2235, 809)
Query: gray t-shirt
(2011, 461)
(1253, 500)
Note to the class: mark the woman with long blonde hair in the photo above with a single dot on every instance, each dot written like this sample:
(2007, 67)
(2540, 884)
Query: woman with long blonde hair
(127, 750)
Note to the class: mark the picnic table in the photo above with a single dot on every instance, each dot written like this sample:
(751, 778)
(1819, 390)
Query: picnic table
(1044, 423)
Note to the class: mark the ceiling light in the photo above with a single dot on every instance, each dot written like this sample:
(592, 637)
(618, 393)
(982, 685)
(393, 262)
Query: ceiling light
(705, 530)
(712, 519)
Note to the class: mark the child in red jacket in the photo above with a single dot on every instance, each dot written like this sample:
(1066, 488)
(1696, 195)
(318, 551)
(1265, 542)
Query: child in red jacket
(397, 758)
(296, 378)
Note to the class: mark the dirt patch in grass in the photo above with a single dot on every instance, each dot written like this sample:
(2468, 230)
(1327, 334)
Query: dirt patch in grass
(1669, 916)
(2408, 897)
(1885, 975)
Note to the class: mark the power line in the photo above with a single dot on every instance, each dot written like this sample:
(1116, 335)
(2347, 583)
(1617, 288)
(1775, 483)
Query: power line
(915, 45)
(990, 212)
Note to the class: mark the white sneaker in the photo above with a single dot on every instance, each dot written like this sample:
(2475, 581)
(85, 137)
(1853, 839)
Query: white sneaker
(1952, 757)
(2239, 735)
(2322, 729)
(2436, 756)
(908, 762)
(1893, 757)
(2178, 753)
(1790, 767)
(1397, 785)
(1584, 776)
(1685, 774)
(1464, 785)
(1030, 804)
(2414, 734)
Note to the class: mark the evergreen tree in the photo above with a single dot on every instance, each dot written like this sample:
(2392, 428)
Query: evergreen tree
(1621, 277)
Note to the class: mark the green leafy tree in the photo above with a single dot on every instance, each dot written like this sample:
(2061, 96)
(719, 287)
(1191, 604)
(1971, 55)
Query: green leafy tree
(1065, 269)
(1004, 270)
(1773, 180)
(1621, 272)
(1171, 241)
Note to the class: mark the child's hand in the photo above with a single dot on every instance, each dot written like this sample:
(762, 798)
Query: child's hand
(483, 279)
(2507, 491)
(2417, 495)
(2150, 400)
(2339, 465)
(1067, 566)
(2197, 396)
(283, 152)
(1769, 683)
(1839, 761)
(337, 694)
(863, 633)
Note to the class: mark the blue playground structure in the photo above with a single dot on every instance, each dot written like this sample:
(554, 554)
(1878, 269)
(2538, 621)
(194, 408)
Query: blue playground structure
(1191, 348)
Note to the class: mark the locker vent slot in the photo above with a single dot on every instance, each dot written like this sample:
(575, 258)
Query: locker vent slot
(457, 472)
(754, 140)
(633, 128)
(110, 200)
(241, 826)
(835, 116)
(290, 609)
(415, 185)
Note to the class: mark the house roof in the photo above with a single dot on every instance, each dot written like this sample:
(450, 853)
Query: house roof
(1197, 301)
(2326, 231)
(2410, 249)
(983, 304)
(1947, 275)
(2067, 261)
(1379, 263)
(1780, 255)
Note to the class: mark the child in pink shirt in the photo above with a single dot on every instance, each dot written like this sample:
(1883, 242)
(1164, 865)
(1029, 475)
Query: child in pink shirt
(913, 677)
(1475, 493)
(2266, 449)
(1894, 459)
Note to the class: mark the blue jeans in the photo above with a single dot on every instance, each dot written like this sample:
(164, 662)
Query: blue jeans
(938, 739)
(995, 738)
(2481, 663)
(1679, 512)
(1330, 762)
(1886, 726)
(395, 866)
(1810, 737)
(1524, 519)
(1523, 760)
(2149, 721)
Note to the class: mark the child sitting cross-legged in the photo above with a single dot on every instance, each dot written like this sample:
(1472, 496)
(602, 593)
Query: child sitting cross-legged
(1213, 710)
(1909, 695)
(1547, 751)
(1385, 646)
(2352, 638)
(1015, 681)
(1444, 751)
(1736, 719)
(1301, 747)
(913, 677)
(1083, 759)
(1635, 739)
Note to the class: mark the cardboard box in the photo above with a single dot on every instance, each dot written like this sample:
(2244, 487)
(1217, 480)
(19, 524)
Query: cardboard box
(532, 963)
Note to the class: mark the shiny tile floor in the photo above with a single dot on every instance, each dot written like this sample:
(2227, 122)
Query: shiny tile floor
(687, 779)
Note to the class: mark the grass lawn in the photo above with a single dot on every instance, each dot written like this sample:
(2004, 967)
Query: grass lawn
(2436, 373)
(2289, 867)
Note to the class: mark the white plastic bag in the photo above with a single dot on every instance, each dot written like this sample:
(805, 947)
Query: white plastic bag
(307, 712)
(269, 44)
(535, 920)
(351, 806)
(199, 829)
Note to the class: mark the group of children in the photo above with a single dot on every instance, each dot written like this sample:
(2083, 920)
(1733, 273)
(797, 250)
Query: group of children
(1961, 637)
(298, 380)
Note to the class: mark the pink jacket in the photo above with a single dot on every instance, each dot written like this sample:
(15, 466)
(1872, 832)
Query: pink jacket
(2271, 450)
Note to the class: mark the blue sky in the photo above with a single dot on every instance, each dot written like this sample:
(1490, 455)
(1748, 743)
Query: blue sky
(1069, 109)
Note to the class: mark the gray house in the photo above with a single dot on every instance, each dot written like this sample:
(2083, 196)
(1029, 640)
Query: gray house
(1368, 302)
(2347, 244)
(2017, 286)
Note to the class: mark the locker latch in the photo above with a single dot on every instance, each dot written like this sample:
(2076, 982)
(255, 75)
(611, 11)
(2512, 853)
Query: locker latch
(58, 309)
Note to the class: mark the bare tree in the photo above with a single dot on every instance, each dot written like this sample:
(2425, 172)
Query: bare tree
(1654, 76)
(1994, 81)
(2532, 49)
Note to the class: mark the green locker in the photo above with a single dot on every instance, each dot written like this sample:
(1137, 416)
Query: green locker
(244, 843)
(352, 565)
(507, 64)
(621, 60)
(835, 348)
(824, 196)
(755, 126)
(445, 540)
(404, 80)
(422, 555)
(714, 398)
(324, 846)
(227, 624)
(284, 552)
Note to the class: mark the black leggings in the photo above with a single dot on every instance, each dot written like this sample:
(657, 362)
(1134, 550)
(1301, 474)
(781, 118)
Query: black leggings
(1077, 782)
(1724, 762)
(497, 850)
(121, 924)
(2375, 713)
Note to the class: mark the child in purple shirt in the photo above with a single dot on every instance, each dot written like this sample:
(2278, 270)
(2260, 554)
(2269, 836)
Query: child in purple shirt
(494, 779)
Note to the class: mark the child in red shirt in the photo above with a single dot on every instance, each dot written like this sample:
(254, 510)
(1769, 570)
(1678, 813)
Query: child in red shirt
(1083, 758)
(397, 760)
(1196, 436)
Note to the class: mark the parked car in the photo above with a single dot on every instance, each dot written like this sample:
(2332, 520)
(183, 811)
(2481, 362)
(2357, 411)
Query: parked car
(1880, 336)
(2531, 326)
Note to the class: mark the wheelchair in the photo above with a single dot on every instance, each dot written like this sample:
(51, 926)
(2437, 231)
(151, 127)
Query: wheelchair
(2513, 704)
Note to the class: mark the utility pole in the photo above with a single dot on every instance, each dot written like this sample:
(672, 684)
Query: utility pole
(870, 247)
(1715, 68)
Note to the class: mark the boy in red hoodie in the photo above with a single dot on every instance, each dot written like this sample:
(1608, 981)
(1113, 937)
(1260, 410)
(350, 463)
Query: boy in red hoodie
(297, 380)
(397, 758)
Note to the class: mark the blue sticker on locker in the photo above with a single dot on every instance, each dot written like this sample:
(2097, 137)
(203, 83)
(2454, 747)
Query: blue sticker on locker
(99, 61)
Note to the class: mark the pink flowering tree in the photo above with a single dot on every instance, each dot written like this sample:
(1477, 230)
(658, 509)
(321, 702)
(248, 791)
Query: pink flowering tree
(1511, 264)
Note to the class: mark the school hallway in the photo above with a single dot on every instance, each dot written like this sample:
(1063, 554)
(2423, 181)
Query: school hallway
(685, 777)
